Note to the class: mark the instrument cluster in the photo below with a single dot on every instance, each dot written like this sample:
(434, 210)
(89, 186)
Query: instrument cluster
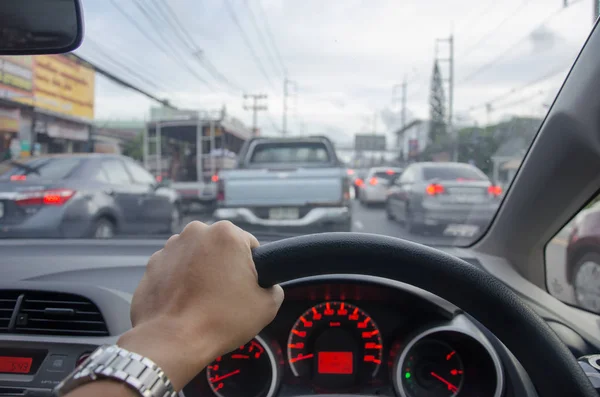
(357, 339)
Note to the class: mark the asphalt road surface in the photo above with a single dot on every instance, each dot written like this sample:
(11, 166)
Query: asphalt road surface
(371, 219)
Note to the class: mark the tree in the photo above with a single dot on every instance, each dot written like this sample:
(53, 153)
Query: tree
(437, 125)
(134, 148)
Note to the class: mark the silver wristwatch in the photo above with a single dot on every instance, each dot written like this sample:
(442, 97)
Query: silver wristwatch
(113, 362)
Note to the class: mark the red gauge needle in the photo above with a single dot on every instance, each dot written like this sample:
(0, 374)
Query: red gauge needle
(219, 378)
(451, 387)
(301, 357)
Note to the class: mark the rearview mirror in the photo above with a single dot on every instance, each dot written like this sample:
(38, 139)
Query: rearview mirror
(31, 27)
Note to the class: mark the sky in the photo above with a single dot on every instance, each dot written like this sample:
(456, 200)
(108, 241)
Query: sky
(343, 57)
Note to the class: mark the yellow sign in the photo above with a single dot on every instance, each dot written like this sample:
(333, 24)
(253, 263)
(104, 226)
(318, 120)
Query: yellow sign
(62, 85)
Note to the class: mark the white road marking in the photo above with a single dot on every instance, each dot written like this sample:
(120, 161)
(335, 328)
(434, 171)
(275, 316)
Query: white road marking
(359, 225)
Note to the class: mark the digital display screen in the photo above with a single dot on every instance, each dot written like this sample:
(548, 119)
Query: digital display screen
(15, 365)
(340, 363)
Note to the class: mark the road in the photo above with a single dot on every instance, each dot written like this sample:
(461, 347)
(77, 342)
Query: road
(372, 220)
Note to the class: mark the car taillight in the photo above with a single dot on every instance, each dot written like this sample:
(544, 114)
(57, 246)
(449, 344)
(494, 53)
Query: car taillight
(55, 197)
(359, 182)
(350, 172)
(373, 181)
(390, 172)
(158, 178)
(18, 177)
(495, 190)
(215, 178)
(346, 189)
(434, 189)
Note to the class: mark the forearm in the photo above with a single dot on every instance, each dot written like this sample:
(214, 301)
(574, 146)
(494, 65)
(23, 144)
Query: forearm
(103, 388)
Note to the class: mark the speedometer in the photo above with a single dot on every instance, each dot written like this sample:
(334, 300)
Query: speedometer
(336, 345)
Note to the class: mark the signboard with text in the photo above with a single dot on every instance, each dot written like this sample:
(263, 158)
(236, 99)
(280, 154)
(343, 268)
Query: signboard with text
(63, 85)
(16, 77)
(369, 142)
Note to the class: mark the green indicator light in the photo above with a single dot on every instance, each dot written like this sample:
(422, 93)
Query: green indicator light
(407, 375)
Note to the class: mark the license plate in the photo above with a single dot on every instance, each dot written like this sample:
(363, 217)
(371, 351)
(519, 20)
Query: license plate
(1, 209)
(283, 213)
(463, 198)
(461, 230)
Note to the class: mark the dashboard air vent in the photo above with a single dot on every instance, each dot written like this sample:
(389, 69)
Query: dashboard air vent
(8, 302)
(54, 313)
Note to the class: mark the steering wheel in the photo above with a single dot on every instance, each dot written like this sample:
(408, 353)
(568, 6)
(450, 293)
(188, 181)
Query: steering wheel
(550, 365)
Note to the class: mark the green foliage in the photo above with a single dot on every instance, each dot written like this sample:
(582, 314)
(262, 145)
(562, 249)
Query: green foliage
(134, 148)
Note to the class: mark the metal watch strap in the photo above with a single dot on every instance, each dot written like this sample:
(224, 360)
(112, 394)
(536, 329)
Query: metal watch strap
(113, 362)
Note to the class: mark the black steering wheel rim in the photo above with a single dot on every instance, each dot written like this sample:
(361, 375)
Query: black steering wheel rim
(549, 363)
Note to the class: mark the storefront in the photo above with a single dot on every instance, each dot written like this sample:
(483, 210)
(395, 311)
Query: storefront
(9, 128)
(61, 136)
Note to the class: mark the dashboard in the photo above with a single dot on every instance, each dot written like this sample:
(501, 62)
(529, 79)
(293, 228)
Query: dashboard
(337, 335)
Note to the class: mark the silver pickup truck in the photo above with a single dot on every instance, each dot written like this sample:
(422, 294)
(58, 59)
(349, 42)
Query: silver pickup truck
(286, 184)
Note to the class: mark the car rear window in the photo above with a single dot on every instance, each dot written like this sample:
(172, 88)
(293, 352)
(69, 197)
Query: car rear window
(301, 152)
(36, 169)
(453, 173)
(386, 175)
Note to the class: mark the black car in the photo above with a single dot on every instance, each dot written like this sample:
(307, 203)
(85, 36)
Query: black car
(83, 196)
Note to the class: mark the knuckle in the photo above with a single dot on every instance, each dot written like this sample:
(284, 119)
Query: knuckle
(172, 240)
(194, 227)
(224, 230)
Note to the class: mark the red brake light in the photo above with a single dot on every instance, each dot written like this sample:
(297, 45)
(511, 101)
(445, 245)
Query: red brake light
(495, 190)
(350, 172)
(48, 197)
(390, 172)
(18, 177)
(373, 181)
(215, 178)
(158, 178)
(434, 189)
(359, 182)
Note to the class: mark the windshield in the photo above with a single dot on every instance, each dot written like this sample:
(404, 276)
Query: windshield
(453, 173)
(402, 118)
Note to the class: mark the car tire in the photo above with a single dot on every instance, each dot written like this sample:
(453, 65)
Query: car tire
(103, 228)
(586, 274)
(389, 213)
(175, 221)
(409, 223)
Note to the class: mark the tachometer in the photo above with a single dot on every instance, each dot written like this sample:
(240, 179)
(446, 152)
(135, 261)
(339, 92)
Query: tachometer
(336, 345)
(249, 371)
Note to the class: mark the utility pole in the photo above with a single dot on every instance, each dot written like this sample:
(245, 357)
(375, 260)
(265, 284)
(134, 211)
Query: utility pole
(449, 41)
(403, 88)
(255, 106)
(286, 92)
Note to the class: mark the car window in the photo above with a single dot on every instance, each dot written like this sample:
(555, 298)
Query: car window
(387, 175)
(116, 172)
(407, 176)
(300, 152)
(99, 174)
(573, 260)
(38, 169)
(453, 173)
(139, 174)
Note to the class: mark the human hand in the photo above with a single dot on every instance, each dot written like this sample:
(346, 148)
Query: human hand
(199, 299)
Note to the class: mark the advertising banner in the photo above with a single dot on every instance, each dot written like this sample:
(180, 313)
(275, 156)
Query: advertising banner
(16, 77)
(64, 86)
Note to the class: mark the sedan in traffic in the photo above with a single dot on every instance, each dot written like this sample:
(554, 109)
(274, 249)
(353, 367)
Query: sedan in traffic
(456, 199)
(83, 196)
(373, 188)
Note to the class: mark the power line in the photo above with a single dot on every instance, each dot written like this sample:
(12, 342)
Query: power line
(515, 44)
(169, 45)
(271, 37)
(106, 56)
(188, 41)
(235, 19)
(494, 30)
(547, 76)
(261, 37)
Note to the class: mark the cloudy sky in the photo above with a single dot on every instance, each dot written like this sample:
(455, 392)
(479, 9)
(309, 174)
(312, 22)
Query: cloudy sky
(345, 57)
